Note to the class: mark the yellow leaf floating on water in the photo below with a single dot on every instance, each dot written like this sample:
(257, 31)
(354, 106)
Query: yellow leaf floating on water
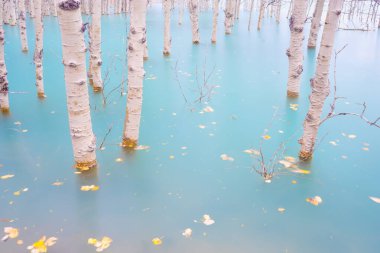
(7, 176)
(208, 109)
(41, 245)
(315, 200)
(294, 107)
(351, 136)
(375, 199)
(300, 171)
(118, 160)
(285, 163)
(225, 157)
(100, 245)
(10, 232)
(57, 183)
(266, 137)
(202, 126)
(290, 159)
(206, 219)
(156, 241)
(252, 152)
(17, 193)
(87, 188)
(281, 209)
(294, 181)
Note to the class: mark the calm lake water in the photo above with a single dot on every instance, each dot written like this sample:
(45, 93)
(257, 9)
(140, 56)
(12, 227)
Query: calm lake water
(161, 191)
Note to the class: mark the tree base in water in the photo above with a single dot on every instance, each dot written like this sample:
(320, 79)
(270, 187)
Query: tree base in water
(5, 110)
(166, 53)
(305, 156)
(41, 95)
(83, 166)
(292, 94)
(98, 89)
(129, 143)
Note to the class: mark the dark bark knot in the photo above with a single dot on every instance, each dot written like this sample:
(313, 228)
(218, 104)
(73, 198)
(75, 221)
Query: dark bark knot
(69, 5)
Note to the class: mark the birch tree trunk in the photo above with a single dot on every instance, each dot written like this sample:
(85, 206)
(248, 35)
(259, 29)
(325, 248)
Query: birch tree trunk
(31, 9)
(315, 24)
(45, 7)
(95, 74)
(167, 37)
(180, 11)
(9, 14)
(320, 83)
(53, 8)
(261, 13)
(4, 101)
(38, 49)
(229, 16)
(250, 14)
(78, 105)
(215, 20)
(295, 51)
(22, 25)
(193, 9)
(135, 54)
(278, 11)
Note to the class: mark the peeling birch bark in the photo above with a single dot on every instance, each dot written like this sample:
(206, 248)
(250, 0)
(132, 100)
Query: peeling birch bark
(261, 13)
(78, 105)
(167, 36)
(4, 101)
(320, 83)
(180, 11)
(38, 49)
(229, 16)
(315, 24)
(193, 9)
(9, 14)
(95, 47)
(295, 51)
(215, 20)
(135, 54)
(22, 25)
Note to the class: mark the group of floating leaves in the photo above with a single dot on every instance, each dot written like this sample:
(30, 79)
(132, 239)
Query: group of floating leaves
(100, 245)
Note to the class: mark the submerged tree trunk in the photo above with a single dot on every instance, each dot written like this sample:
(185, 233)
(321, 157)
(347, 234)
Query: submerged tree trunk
(95, 73)
(4, 101)
(295, 51)
(31, 9)
(180, 11)
(215, 20)
(261, 13)
(38, 49)
(320, 83)
(167, 37)
(135, 54)
(315, 24)
(193, 9)
(22, 25)
(78, 105)
(229, 16)
(9, 14)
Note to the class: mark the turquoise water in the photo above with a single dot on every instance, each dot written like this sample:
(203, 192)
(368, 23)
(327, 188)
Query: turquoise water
(148, 194)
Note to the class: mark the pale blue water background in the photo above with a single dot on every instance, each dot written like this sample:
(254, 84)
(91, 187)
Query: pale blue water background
(149, 195)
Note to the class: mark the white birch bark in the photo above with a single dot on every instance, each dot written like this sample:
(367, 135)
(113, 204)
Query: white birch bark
(38, 49)
(74, 61)
(95, 73)
(295, 51)
(22, 25)
(193, 9)
(135, 54)
(31, 9)
(4, 101)
(237, 9)
(261, 13)
(215, 20)
(167, 36)
(181, 6)
(315, 24)
(45, 7)
(278, 11)
(9, 14)
(250, 14)
(229, 16)
(53, 8)
(320, 83)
